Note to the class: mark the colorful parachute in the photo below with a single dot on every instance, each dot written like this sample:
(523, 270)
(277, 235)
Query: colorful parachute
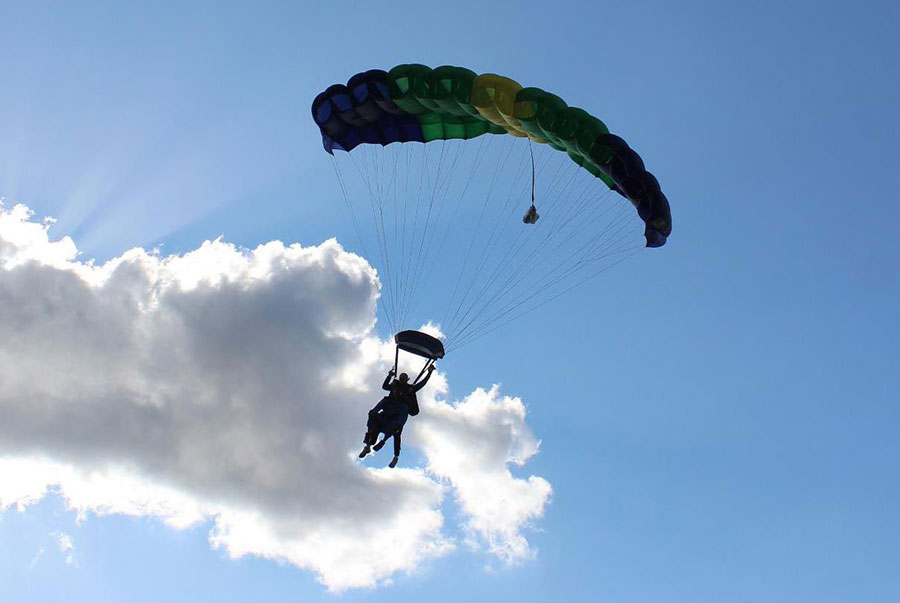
(416, 103)
(453, 206)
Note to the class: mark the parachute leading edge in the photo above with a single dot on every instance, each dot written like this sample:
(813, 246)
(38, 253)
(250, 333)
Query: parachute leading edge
(414, 103)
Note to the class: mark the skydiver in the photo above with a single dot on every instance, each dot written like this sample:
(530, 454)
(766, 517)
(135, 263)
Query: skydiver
(390, 414)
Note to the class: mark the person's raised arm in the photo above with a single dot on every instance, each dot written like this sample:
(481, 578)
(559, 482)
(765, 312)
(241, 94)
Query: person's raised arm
(387, 381)
(422, 383)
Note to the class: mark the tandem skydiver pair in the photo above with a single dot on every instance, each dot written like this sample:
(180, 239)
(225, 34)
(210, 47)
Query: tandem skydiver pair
(390, 414)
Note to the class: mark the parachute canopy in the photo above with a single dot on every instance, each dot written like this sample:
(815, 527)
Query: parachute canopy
(420, 344)
(416, 103)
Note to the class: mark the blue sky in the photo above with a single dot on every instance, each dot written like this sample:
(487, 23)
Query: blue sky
(717, 418)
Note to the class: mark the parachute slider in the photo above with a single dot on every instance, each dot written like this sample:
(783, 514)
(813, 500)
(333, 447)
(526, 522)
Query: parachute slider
(420, 344)
(531, 216)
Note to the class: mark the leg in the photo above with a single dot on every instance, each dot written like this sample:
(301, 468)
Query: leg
(396, 458)
(373, 426)
(368, 440)
(384, 440)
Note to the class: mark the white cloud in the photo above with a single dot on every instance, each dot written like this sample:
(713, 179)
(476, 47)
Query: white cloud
(471, 444)
(66, 546)
(36, 558)
(232, 386)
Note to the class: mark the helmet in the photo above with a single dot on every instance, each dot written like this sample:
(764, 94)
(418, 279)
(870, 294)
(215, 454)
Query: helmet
(404, 377)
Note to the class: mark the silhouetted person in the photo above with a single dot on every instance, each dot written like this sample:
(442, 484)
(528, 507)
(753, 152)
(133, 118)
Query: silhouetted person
(390, 414)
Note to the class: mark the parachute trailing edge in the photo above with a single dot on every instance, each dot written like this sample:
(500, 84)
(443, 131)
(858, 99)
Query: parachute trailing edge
(414, 103)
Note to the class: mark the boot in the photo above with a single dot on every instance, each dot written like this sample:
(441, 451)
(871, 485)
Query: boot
(365, 451)
(393, 462)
